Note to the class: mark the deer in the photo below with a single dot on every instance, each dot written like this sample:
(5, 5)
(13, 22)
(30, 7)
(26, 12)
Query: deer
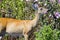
(24, 26)
(21, 26)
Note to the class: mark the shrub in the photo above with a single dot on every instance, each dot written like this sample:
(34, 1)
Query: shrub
(13, 7)
(46, 33)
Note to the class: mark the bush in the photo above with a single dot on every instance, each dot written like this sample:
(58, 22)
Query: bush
(13, 7)
(46, 33)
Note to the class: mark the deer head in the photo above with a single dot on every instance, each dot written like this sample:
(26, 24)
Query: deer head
(42, 10)
(39, 9)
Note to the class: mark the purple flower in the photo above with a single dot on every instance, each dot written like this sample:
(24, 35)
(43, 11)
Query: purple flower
(57, 14)
(0, 0)
(58, 1)
(52, 1)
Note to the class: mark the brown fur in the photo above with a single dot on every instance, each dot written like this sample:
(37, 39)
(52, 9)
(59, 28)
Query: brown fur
(17, 26)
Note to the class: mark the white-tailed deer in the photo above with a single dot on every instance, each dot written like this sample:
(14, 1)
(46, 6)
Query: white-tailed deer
(23, 26)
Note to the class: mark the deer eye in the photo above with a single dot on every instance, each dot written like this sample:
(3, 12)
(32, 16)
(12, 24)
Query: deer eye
(41, 9)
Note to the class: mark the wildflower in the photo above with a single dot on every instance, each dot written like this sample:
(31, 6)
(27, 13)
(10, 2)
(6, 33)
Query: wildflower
(38, 2)
(0, 37)
(21, 0)
(0, 0)
(57, 15)
(58, 1)
(50, 15)
(35, 0)
(52, 1)
(27, 0)
(45, 4)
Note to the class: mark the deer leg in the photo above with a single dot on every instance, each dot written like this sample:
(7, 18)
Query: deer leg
(1, 29)
(26, 36)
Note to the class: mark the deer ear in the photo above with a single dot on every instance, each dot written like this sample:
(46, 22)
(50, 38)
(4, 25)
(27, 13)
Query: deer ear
(35, 6)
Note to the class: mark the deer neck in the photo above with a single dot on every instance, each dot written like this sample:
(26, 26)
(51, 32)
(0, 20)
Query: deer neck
(35, 20)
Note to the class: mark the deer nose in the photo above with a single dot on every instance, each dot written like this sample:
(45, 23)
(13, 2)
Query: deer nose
(48, 10)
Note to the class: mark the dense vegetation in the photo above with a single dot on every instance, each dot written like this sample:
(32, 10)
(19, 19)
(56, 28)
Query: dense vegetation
(49, 23)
